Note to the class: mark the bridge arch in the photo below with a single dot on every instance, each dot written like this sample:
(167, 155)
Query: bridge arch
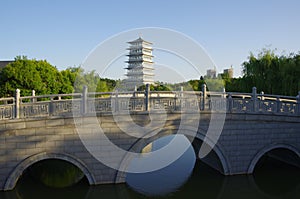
(218, 150)
(268, 148)
(26, 163)
(170, 130)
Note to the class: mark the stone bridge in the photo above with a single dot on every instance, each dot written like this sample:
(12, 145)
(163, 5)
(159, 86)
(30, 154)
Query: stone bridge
(250, 125)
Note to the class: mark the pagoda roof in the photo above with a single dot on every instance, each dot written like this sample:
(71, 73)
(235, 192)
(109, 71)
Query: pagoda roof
(139, 40)
(132, 61)
(139, 47)
(137, 54)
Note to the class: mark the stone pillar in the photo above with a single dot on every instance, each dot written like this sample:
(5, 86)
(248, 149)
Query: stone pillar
(204, 96)
(147, 97)
(181, 91)
(298, 102)
(262, 96)
(134, 91)
(116, 101)
(278, 105)
(230, 103)
(84, 100)
(17, 104)
(254, 99)
(181, 100)
(33, 100)
(224, 92)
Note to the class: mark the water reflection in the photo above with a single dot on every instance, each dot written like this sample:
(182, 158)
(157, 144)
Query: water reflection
(271, 180)
(166, 180)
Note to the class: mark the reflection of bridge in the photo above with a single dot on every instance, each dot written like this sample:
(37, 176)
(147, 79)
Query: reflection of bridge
(34, 128)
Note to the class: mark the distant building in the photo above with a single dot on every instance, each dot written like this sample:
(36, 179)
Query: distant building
(229, 71)
(211, 73)
(140, 69)
(4, 63)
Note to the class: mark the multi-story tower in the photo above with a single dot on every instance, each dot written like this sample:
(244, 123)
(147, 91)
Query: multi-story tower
(229, 71)
(140, 69)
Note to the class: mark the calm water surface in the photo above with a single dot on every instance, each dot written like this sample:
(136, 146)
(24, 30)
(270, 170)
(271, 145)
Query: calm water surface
(185, 178)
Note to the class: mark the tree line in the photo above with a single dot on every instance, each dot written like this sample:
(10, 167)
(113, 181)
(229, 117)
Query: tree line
(39, 75)
(270, 73)
(267, 71)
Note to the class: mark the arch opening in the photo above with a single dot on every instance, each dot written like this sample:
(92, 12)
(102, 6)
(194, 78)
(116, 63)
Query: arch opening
(55, 173)
(50, 168)
(172, 176)
(215, 159)
(276, 171)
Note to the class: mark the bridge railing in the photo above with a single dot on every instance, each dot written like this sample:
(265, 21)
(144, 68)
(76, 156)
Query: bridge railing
(262, 103)
(7, 108)
(136, 101)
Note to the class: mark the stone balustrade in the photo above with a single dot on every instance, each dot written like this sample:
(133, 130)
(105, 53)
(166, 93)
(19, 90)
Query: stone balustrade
(137, 101)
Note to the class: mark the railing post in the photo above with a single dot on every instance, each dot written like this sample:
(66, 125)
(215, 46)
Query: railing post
(204, 96)
(134, 91)
(33, 95)
(278, 105)
(84, 99)
(17, 105)
(182, 102)
(51, 107)
(224, 92)
(147, 97)
(254, 99)
(116, 101)
(230, 103)
(181, 91)
(298, 102)
(262, 96)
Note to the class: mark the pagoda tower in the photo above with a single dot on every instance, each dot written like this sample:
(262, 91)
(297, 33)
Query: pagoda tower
(140, 69)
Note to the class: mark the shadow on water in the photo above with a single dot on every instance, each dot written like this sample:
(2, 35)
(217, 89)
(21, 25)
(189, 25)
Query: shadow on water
(276, 179)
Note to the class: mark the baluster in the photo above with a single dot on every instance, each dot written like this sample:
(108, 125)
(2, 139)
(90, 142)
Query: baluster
(230, 103)
(204, 96)
(51, 107)
(147, 97)
(298, 102)
(84, 99)
(181, 99)
(262, 96)
(17, 105)
(262, 106)
(116, 105)
(278, 105)
(33, 99)
(254, 99)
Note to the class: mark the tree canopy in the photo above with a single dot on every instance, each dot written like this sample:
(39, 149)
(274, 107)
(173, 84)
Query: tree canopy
(270, 73)
(39, 75)
(29, 75)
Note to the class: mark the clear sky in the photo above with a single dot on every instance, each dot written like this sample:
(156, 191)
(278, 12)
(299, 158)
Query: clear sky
(64, 31)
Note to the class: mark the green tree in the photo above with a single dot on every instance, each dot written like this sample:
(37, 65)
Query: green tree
(270, 73)
(28, 75)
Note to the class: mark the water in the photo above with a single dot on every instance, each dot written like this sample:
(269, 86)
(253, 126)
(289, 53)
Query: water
(185, 178)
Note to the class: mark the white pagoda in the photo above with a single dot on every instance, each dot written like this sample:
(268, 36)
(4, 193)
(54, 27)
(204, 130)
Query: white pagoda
(140, 69)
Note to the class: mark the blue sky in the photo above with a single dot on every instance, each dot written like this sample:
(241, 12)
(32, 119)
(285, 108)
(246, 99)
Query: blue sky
(64, 32)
